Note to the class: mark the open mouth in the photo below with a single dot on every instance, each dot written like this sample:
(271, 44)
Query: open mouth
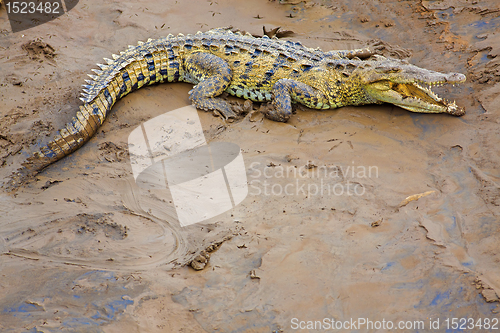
(417, 98)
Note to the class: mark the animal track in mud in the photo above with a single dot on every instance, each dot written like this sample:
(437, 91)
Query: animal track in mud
(100, 222)
(112, 152)
(97, 241)
(37, 50)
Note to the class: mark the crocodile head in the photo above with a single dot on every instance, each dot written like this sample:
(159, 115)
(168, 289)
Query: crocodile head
(408, 86)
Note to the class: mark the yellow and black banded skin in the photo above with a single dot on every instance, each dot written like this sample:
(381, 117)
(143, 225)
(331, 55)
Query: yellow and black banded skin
(260, 69)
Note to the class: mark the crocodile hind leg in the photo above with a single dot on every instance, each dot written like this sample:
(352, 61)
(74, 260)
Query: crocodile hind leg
(286, 90)
(214, 76)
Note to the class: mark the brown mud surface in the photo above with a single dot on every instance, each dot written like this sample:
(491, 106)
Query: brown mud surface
(83, 249)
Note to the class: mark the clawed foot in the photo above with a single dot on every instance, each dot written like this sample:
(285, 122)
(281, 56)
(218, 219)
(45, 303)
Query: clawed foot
(269, 110)
(215, 104)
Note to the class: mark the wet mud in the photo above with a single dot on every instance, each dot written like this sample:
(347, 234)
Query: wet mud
(388, 214)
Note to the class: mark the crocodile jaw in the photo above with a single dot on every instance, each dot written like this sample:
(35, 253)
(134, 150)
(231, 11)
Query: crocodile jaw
(408, 86)
(413, 97)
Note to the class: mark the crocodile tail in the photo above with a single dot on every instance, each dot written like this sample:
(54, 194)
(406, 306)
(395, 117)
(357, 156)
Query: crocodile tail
(145, 64)
(78, 131)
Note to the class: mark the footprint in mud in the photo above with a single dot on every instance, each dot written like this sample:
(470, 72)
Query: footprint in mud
(98, 224)
(37, 50)
(112, 152)
(106, 241)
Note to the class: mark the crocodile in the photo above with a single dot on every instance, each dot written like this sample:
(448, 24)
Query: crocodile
(260, 69)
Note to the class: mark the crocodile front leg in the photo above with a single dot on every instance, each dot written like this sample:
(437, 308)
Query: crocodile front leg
(286, 90)
(214, 76)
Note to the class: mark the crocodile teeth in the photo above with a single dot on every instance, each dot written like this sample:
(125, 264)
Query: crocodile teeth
(180, 35)
(101, 66)
(130, 47)
(97, 71)
(122, 53)
(108, 61)
(199, 33)
(428, 91)
(93, 77)
(171, 36)
(149, 40)
(140, 43)
(115, 56)
(90, 82)
(86, 91)
(83, 100)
